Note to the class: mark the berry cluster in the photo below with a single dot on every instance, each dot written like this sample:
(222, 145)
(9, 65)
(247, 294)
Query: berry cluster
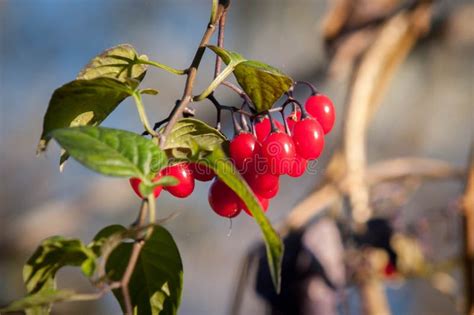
(261, 154)
(272, 149)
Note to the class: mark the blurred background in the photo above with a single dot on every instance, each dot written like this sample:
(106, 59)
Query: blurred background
(428, 111)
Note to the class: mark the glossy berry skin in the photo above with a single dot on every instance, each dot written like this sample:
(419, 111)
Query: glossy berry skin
(223, 200)
(322, 109)
(298, 166)
(263, 184)
(263, 128)
(243, 150)
(201, 172)
(278, 150)
(308, 137)
(292, 119)
(183, 175)
(135, 183)
(264, 202)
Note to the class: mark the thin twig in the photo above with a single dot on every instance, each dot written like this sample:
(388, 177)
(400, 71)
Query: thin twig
(220, 43)
(191, 75)
(468, 237)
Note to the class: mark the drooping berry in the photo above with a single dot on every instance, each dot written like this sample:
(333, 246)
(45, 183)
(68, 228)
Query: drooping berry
(278, 150)
(243, 150)
(223, 200)
(201, 172)
(308, 137)
(263, 128)
(292, 119)
(186, 180)
(264, 202)
(298, 166)
(322, 109)
(135, 183)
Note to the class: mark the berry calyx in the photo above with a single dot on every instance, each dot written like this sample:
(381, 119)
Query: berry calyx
(308, 137)
(278, 150)
(264, 202)
(298, 166)
(292, 119)
(186, 180)
(201, 172)
(135, 183)
(243, 150)
(223, 200)
(263, 128)
(322, 109)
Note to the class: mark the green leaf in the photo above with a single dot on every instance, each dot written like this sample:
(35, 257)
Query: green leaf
(192, 138)
(54, 253)
(157, 281)
(226, 172)
(109, 235)
(112, 152)
(119, 62)
(80, 103)
(263, 83)
(98, 89)
(38, 303)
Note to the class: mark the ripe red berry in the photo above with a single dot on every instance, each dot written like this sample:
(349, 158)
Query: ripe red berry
(308, 137)
(201, 172)
(223, 200)
(292, 119)
(263, 184)
(278, 150)
(135, 183)
(243, 150)
(183, 175)
(298, 166)
(263, 128)
(264, 202)
(322, 109)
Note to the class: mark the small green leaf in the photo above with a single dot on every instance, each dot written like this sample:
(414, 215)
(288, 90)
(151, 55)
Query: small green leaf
(53, 253)
(263, 83)
(149, 91)
(146, 189)
(226, 171)
(226, 55)
(38, 303)
(192, 138)
(112, 152)
(157, 281)
(119, 62)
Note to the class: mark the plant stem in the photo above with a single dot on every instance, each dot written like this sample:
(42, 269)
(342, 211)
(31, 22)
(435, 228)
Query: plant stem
(220, 43)
(162, 66)
(141, 112)
(191, 74)
(151, 214)
(214, 84)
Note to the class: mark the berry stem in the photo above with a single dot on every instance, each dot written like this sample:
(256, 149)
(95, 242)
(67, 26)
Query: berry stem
(313, 89)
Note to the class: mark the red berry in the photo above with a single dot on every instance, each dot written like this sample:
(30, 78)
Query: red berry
(263, 128)
(264, 202)
(223, 200)
(263, 184)
(322, 109)
(243, 150)
(292, 119)
(298, 166)
(186, 180)
(278, 150)
(308, 137)
(135, 183)
(201, 172)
